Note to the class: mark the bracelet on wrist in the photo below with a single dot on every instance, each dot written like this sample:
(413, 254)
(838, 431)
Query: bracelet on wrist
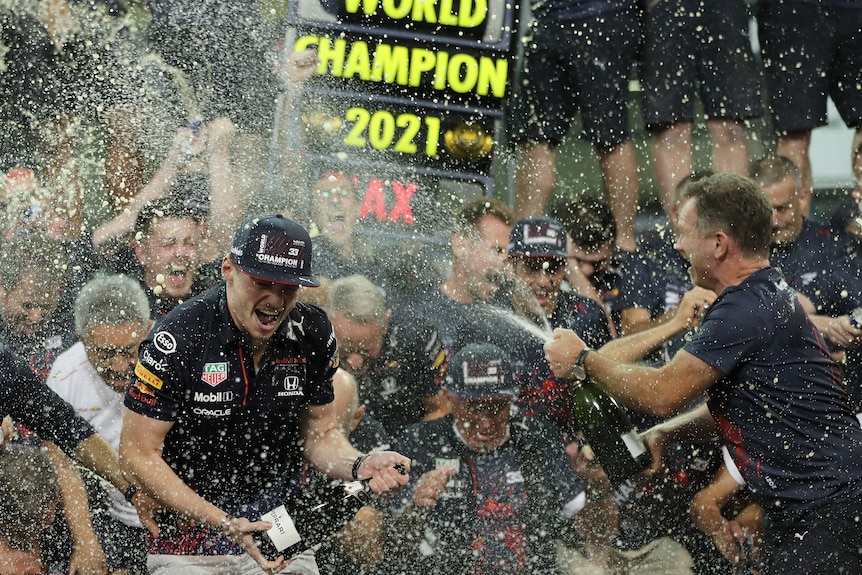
(354, 472)
(225, 523)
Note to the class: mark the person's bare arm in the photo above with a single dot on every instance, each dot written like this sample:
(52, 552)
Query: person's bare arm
(97, 455)
(661, 391)
(436, 406)
(88, 558)
(141, 444)
(122, 225)
(706, 509)
(225, 205)
(687, 314)
(329, 451)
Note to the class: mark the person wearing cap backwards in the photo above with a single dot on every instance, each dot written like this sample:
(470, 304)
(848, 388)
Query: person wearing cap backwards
(492, 495)
(232, 390)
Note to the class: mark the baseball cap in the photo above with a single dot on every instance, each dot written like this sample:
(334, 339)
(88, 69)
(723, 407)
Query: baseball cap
(480, 371)
(539, 237)
(275, 249)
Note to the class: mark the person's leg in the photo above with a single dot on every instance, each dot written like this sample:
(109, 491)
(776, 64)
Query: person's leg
(729, 146)
(620, 170)
(671, 147)
(535, 176)
(794, 145)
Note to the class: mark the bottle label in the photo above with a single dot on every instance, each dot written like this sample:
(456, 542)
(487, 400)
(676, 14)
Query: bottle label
(634, 443)
(283, 532)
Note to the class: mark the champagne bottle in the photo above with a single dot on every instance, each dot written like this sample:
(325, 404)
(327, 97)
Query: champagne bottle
(609, 432)
(303, 523)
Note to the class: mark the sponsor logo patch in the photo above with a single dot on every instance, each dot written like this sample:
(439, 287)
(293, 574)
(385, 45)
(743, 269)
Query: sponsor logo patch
(148, 376)
(214, 373)
(165, 342)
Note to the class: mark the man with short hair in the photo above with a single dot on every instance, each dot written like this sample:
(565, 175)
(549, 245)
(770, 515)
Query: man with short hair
(395, 359)
(112, 317)
(810, 256)
(232, 390)
(480, 233)
(775, 394)
(34, 319)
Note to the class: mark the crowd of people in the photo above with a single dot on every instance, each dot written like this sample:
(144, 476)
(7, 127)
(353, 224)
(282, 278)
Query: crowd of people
(212, 347)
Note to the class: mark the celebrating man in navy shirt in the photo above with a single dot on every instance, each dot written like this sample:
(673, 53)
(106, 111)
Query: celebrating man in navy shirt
(773, 390)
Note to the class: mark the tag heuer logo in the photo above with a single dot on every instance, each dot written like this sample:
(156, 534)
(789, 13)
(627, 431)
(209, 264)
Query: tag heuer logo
(214, 373)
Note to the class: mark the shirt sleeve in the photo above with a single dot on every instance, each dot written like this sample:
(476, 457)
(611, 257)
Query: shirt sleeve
(28, 400)
(728, 334)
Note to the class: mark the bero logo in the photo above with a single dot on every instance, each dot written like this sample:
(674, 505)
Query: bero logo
(165, 342)
(291, 383)
(214, 373)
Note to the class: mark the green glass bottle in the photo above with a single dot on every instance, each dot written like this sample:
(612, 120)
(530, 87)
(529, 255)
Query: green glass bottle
(609, 432)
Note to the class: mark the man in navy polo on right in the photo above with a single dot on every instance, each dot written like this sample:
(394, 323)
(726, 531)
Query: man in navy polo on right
(774, 393)
(232, 390)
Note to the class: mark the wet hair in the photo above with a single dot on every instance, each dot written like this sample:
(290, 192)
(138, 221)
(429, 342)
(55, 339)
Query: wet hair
(736, 205)
(111, 300)
(169, 207)
(193, 191)
(588, 221)
(771, 171)
(687, 181)
(356, 298)
(29, 495)
(472, 212)
(33, 253)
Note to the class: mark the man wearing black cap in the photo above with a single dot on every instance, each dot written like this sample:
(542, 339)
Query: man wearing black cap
(489, 491)
(232, 389)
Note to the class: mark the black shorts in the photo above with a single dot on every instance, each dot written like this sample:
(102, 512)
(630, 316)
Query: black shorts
(698, 48)
(826, 540)
(573, 67)
(811, 51)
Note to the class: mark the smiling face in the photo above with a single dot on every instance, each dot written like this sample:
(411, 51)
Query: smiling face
(170, 257)
(482, 423)
(358, 341)
(787, 217)
(544, 276)
(698, 248)
(113, 350)
(484, 253)
(28, 307)
(258, 307)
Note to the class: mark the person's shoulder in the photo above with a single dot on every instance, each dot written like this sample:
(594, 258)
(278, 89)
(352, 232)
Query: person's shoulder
(66, 366)
(423, 437)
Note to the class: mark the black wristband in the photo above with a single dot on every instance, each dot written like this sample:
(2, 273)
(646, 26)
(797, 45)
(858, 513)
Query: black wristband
(356, 464)
(130, 491)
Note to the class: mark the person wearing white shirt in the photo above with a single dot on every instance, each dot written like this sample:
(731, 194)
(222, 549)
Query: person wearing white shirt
(112, 317)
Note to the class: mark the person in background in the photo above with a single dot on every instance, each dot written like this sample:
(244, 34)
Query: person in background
(776, 397)
(340, 250)
(577, 60)
(35, 317)
(240, 373)
(479, 235)
(604, 268)
(396, 360)
(29, 499)
(112, 317)
(696, 50)
(803, 69)
(490, 490)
